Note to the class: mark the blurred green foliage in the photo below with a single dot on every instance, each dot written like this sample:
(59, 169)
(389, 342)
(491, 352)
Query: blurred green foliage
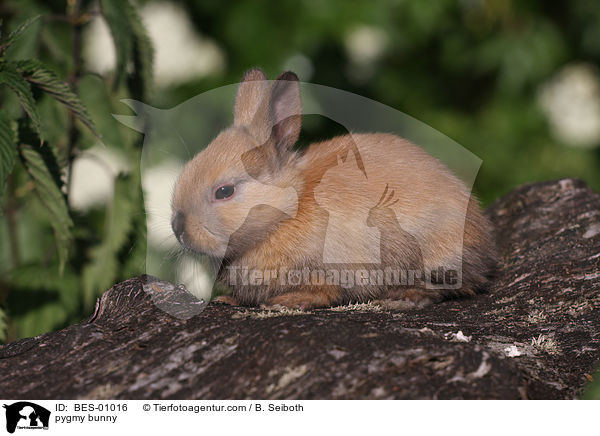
(472, 69)
(56, 260)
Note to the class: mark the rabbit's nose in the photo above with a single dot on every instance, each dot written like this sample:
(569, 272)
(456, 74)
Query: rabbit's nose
(178, 224)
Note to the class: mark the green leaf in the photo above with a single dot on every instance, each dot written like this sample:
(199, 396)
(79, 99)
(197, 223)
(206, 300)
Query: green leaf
(8, 149)
(143, 57)
(33, 276)
(41, 166)
(16, 33)
(36, 73)
(13, 79)
(117, 17)
(96, 96)
(3, 325)
(121, 213)
(132, 44)
(101, 272)
(135, 259)
(42, 298)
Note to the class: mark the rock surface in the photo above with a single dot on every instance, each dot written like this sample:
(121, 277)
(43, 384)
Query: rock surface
(536, 334)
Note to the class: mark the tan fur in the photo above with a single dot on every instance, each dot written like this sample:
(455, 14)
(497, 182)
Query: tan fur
(292, 208)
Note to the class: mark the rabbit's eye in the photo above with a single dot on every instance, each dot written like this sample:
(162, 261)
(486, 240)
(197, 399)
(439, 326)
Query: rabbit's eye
(224, 192)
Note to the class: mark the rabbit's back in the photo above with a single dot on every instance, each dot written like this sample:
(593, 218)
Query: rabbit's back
(373, 200)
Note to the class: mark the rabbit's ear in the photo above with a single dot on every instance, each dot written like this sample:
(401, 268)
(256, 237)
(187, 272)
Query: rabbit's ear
(286, 112)
(252, 94)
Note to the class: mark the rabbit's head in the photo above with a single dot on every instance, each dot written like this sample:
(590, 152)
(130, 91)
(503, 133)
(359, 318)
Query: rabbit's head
(232, 194)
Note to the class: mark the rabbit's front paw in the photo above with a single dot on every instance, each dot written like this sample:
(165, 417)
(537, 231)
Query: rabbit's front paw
(227, 299)
(300, 300)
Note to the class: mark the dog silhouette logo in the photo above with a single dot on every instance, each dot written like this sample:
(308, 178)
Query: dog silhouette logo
(26, 415)
(364, 245)
(359, 203)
